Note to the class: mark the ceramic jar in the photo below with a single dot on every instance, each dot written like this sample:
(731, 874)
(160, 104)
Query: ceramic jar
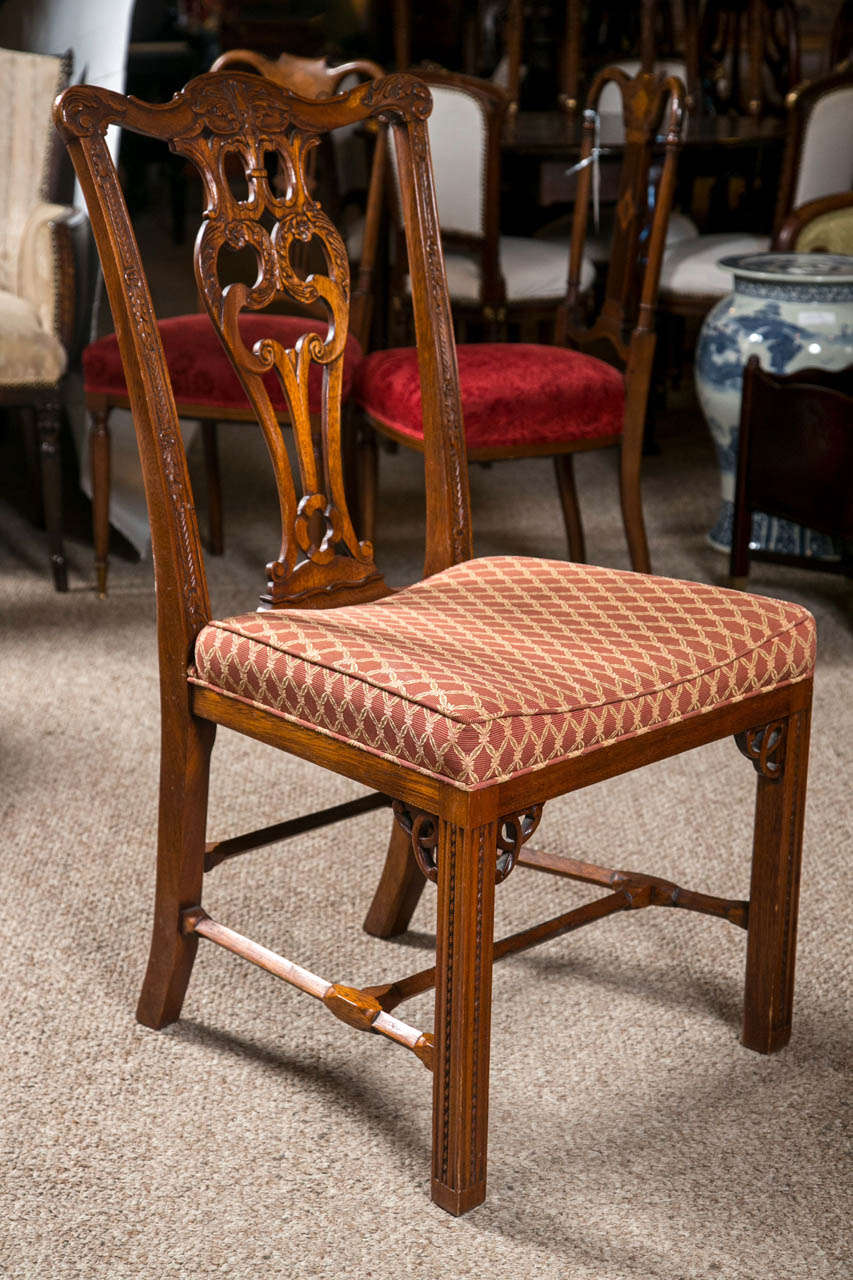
(792, 310)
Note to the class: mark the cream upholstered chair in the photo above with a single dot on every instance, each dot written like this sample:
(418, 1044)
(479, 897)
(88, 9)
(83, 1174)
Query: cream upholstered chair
(819, 226)
(818, 162)
(37, 290)
(492, 278)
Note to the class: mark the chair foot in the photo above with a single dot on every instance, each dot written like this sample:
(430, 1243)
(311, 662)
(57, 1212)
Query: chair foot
(399, 890)
(180, 868)
(463, 995)
(774, 891)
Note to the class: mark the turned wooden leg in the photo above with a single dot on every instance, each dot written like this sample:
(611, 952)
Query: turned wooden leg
(463, 993)
(565, 472)
(780, 754)
(99, 459)
(368, 481)
(210, 443)
(47, 425)
(184, 772)
(399, 890)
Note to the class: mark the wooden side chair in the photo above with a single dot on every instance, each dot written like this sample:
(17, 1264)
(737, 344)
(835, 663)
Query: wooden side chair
(494, 279)
(469, 699)
(818, 162)
(203, 382)
(795, 460)
(818, 226)
(587, 390)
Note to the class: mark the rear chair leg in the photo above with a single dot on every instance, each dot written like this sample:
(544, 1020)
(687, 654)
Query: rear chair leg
(399, 890)
(463, 995)
(780, 753)
(184, 773)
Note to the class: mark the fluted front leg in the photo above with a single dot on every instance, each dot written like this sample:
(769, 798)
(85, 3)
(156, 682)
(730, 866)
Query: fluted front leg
(780, 754)
(464, 936)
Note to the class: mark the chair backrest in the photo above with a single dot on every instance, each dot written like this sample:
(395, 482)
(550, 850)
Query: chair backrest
(465, 130)
(219, 118)
(796, 448)
(819, 145)
(652, 105)
(610, 101)
(749, 53)
(29, 82)
(819, 226)
(314, 78)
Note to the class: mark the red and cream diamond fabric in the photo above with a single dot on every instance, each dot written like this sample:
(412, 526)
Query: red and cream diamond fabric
(500, 666)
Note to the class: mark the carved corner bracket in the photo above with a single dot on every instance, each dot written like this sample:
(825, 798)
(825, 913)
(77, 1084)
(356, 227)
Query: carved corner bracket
(765, 747)
(514, 830)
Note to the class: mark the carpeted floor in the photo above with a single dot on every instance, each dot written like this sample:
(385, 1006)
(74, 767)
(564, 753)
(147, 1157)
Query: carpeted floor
(631, 1135)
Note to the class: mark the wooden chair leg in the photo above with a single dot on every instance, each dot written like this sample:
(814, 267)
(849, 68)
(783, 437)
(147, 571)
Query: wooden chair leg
(48, 425)
(632, 509)
(774, 891)
(368, 482)
(184, 773)
(399, 890)
(463, 992)
(99, 459)
(213, 475)
(565, 472)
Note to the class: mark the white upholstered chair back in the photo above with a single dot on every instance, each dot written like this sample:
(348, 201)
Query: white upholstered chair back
(826, 157)
(458, 132)
(29, 83)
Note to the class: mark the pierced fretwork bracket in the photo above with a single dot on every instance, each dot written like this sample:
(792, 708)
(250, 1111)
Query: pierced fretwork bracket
(765, 747)
(422, 828)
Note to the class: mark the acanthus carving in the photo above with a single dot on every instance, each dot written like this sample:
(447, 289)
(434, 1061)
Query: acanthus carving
(765, 747)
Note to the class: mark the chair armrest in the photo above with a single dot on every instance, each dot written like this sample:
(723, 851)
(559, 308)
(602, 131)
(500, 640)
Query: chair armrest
(46, 267)
(823, 224)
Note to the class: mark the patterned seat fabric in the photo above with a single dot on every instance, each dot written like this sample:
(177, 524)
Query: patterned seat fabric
(565, 394)
(500, 666)
(200, 370)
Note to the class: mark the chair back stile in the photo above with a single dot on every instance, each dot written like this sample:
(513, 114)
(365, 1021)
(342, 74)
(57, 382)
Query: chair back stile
(215, 119)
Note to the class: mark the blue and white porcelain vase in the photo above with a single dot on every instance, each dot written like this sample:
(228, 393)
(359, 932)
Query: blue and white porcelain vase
(792, 310)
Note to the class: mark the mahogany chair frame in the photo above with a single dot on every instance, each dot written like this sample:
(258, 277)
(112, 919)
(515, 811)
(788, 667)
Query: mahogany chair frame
(623, 333)
(310, 78)
(788, 236)
(466, 840)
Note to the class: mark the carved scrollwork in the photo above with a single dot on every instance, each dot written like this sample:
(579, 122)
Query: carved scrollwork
(513, 832)
(765, 747)
(422, 829)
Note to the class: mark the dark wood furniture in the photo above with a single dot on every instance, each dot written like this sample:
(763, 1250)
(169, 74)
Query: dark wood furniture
(749, 54)
(202, 385)
(563, 402)
(440, 724)
(795, 460)
(818, 226)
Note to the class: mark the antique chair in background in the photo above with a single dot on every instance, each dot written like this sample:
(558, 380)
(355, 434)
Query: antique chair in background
(818, 226)
(588, 390)
(469, 699)
(37, 270)
(818, 162)
(494, 279)
(203, 382)
(795, 460)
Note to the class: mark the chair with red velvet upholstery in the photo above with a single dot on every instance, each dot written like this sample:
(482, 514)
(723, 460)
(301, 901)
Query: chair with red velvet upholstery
(203, 380)
(469, 699)
(589, 389)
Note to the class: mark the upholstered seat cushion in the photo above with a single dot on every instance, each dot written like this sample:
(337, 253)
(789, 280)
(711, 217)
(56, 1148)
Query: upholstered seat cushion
(200, 370)
(29, 354)
(513, 393)
(691, 267)
(500, 666)
(533, 270)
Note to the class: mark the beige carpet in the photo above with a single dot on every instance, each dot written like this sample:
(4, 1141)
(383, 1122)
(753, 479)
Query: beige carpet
(631, 1135)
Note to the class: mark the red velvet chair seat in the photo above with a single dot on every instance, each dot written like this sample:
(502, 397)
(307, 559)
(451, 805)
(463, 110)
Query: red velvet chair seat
(502, 665)
(513, 394)
(200, 370)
